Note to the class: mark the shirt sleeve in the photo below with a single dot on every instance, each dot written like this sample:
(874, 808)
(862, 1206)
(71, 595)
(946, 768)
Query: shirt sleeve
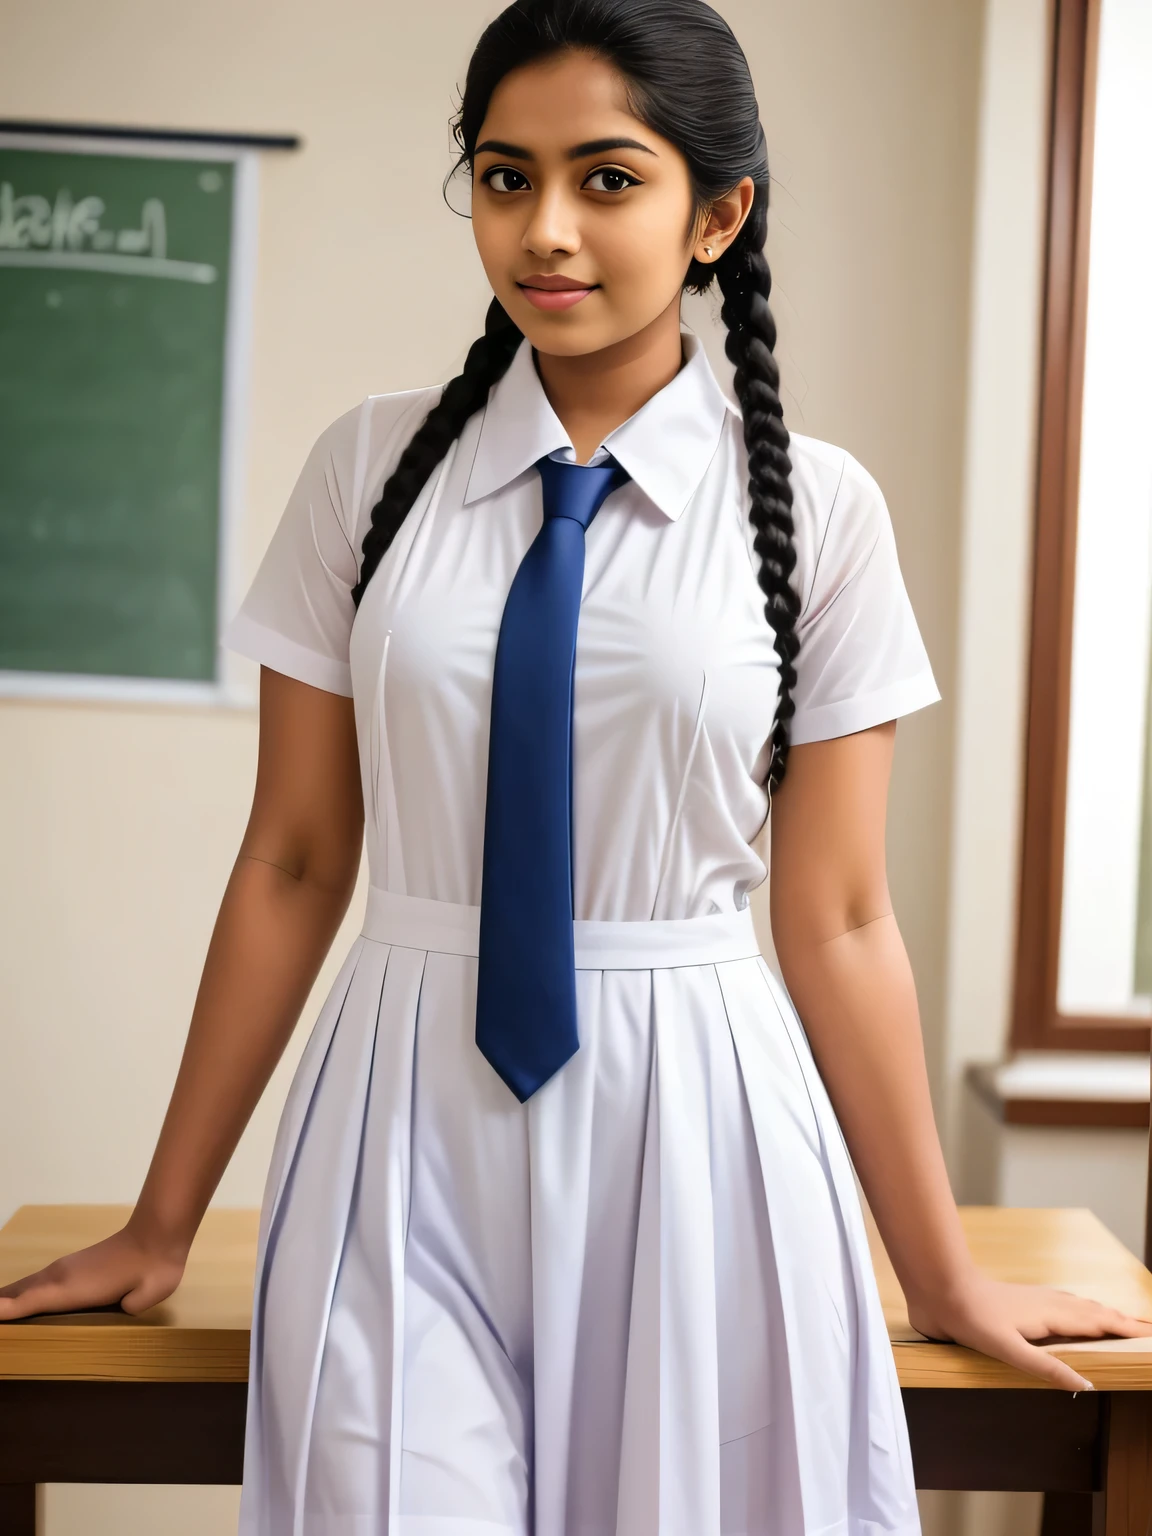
(862, 659)
(297, 615)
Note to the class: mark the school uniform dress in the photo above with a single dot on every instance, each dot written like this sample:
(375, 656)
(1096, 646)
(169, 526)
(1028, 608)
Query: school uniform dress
(639, 1303)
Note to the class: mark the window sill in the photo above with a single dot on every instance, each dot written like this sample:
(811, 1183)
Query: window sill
(1065, 1088)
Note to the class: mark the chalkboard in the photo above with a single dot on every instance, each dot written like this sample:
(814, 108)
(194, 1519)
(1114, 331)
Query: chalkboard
(114, 314)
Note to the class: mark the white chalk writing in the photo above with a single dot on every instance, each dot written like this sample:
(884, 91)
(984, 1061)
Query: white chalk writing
(66, 232)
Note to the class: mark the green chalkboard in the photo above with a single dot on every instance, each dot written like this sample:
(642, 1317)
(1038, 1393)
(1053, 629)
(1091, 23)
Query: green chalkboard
(114, 277)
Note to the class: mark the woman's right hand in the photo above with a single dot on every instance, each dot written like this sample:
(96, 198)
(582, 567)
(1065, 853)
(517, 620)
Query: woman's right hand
(126, 1268)
(286, 897)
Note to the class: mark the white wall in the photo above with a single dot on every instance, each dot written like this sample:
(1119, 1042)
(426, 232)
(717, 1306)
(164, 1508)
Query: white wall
(1101, 1168)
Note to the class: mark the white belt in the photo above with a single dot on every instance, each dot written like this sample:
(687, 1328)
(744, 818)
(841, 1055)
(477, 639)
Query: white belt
(447, 928)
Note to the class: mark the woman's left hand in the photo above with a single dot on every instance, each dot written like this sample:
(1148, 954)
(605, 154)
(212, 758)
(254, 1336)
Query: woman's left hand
(1000, 1319)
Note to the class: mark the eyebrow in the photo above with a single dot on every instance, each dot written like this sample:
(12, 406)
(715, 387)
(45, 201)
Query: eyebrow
(577, 152)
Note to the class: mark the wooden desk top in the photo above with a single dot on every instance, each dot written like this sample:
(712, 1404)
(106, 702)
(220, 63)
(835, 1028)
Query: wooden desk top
(1070, 1249)
(201, 1332)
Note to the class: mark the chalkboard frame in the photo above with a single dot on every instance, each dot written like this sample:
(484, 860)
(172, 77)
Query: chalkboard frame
(233, 685)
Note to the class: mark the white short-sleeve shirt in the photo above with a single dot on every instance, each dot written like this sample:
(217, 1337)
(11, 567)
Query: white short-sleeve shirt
(676, 674)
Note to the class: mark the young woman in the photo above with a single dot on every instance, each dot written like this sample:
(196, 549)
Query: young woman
(560, 1233)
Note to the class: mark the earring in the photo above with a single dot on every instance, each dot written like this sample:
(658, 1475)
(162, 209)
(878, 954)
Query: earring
(708, 250)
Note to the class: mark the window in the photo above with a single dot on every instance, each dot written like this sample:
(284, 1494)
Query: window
(1084, 954)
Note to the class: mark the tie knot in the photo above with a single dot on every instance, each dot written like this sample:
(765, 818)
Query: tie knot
(577, 491)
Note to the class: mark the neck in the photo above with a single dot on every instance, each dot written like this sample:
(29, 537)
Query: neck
(595, 391)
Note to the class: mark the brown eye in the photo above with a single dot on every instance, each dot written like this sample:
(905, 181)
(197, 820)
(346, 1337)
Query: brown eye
(505, 171)
(615, 176)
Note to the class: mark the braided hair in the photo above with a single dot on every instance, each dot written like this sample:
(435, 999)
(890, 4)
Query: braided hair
(687, 79)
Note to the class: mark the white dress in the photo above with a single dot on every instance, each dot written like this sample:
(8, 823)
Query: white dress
(640, 1304)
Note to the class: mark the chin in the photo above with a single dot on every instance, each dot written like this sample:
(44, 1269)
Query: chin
(556, 344)
(563, 339)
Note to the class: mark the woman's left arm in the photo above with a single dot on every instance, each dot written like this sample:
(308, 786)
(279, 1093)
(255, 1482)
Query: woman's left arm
(846, 968)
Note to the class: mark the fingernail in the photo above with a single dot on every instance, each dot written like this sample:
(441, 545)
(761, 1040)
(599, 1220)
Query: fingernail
(1086, 1386)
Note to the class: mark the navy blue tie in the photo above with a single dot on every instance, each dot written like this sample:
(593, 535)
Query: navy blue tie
(526, 976)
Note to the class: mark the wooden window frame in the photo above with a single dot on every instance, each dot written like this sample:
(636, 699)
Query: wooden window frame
(1036, 1020)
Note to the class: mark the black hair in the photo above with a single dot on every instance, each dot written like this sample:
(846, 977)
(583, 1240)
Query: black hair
(687, 79)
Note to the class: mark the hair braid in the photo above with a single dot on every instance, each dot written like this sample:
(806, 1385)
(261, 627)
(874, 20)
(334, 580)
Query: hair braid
(488, 360)
(745, 281)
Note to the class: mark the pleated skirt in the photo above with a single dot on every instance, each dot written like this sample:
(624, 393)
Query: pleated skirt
(640, 1304)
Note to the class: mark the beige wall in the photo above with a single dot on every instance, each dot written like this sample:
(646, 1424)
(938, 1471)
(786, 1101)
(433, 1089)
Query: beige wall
(995, 578)
(119, 823)
(871, 114)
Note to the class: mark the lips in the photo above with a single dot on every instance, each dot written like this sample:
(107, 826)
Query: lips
(550, 291)
(553, 283)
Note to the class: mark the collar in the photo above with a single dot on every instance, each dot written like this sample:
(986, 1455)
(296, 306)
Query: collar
(665, 446)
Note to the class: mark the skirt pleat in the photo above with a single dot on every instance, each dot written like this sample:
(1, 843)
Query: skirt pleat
(269, 1488)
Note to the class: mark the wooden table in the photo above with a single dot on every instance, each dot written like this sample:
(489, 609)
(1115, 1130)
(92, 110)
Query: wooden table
(100, 1396)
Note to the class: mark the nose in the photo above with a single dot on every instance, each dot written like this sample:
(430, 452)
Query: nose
(553, 224)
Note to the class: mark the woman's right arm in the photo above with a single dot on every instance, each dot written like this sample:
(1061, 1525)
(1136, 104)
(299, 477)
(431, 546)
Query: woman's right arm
(287, 895)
